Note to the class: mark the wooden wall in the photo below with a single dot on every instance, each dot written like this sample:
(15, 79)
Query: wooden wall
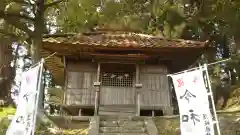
(80, 78)
(155, 91)
(80, 89)
(117, 96)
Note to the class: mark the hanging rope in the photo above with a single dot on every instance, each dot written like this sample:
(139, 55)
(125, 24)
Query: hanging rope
(210, 64)
(43, 59)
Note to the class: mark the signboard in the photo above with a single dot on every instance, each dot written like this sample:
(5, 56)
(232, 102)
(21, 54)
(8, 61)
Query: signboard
(192, 96)
(24, 120)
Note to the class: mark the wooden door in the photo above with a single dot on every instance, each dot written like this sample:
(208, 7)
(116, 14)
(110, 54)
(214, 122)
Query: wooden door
(117, 84)
(117, 96)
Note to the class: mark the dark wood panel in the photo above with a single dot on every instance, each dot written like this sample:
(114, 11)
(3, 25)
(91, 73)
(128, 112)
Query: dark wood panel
(153, 98)
(117, 96)
(153, 69)
(81, 79)
(155, 90)
(82, 66)
(80, 96)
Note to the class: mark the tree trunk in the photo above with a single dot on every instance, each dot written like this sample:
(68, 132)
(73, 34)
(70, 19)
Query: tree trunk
(36, 46)
(38, 32)
(7, 73)
(236, 49)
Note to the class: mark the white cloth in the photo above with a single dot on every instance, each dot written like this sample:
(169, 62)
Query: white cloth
(192, 97)
(22, 123)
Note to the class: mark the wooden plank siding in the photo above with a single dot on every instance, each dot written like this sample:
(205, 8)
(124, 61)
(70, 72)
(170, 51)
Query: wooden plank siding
(80, 90)
(78, 96)
(110, 95)
(80, 79)
(155, 91)
(117, 96)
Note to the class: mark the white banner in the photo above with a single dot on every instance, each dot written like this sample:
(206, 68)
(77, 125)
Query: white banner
(23, 121)
(195, 115)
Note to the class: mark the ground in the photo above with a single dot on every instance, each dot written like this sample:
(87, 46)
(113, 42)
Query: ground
(229, 122)
(229, 125)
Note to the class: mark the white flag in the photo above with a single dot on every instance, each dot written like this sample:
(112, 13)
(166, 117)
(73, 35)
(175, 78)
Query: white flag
(195, 115)
(22, 123)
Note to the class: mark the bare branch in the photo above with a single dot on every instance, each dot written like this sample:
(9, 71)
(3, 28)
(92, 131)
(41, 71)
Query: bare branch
(53, 3)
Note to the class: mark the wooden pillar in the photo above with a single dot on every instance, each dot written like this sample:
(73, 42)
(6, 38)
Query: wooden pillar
(65, 85)
(138, 94)
(153, 113)
(97, 93)
(80, 112)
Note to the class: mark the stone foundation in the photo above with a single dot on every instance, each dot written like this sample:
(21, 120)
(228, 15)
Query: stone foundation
(229, 125)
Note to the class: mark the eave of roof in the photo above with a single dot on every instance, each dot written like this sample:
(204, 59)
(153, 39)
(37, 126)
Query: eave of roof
(121, 40)
(126, 41)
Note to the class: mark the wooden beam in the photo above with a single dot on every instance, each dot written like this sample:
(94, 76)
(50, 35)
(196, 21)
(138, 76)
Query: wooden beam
(80, 112)
(65, 81)
(118, 61)
(137, 93)
(97, 93)
(98, 72)
(141, 56)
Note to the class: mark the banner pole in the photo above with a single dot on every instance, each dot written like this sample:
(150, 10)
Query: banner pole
(37, 96)
(212, 100)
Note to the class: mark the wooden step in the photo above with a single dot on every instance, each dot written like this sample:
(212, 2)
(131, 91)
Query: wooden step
(122, 134)
(117, 117)
(117, 108)
(116, 114)
(122, 130)
(121, 123)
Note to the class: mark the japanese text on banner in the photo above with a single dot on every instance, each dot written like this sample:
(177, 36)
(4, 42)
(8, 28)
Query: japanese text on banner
(22, 122)
(195, 115)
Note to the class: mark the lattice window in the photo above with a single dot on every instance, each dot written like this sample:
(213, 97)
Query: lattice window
(117, 79)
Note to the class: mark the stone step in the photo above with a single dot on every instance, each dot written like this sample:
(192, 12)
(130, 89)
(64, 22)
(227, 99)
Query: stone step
(122, 130)
(122, 134)
(121, 123)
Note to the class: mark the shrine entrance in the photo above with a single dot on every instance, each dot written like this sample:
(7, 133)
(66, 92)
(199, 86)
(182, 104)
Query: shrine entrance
(117, 84)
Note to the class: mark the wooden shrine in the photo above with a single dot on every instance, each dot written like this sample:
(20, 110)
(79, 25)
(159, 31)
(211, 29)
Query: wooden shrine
(114, 73)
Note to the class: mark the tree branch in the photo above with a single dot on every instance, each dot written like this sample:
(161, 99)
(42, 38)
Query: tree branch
(53, 3)
(4, 32)
(23, 27)
(6, 14)
(21, 1)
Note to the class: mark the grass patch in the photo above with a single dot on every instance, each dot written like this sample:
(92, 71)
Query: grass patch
(5, 111)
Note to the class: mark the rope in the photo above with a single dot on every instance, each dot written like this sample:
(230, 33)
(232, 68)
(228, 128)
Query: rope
(43, 59)
(210, 64)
